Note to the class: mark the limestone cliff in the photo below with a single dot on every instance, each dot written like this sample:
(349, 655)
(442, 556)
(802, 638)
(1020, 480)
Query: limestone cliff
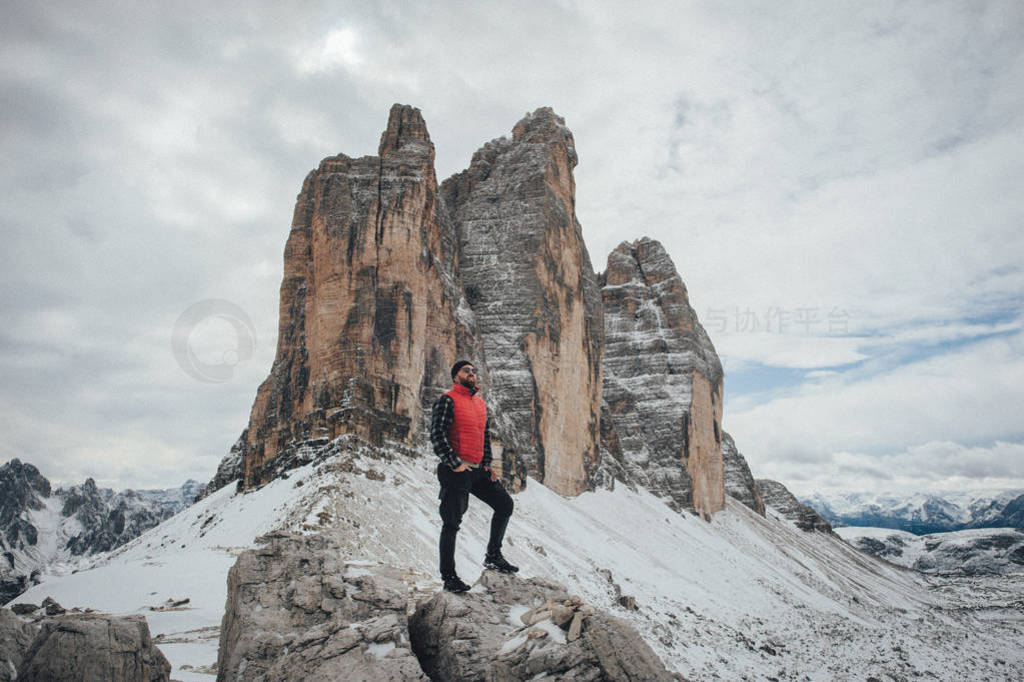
(389, 278)
(528, 279)
(662, 381)
(367, 325)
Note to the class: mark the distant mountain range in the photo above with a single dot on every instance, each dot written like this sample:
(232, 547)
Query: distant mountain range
(922, 514)
(40, 526)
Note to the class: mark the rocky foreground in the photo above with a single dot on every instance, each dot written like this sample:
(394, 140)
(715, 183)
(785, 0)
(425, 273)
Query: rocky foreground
(740, 597)
(298, 610)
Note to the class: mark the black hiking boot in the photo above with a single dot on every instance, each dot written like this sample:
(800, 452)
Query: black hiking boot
(453, 583)
(498, 563)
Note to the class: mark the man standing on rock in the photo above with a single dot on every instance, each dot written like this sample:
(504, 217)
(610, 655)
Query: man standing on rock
(461, 438)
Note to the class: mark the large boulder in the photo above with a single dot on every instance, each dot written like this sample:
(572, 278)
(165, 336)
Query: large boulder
(15, 637)
(518, 629)
(296, 610)
(90, 646)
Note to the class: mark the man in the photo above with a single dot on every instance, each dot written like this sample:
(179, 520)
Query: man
(460, 434)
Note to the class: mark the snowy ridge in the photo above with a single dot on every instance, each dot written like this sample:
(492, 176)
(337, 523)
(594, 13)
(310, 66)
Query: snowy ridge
(737, 596)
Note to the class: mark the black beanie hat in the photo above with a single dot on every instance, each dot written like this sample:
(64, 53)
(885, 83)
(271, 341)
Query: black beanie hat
(459, 365)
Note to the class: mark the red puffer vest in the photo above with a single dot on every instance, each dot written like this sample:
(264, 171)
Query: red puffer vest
(466, 433)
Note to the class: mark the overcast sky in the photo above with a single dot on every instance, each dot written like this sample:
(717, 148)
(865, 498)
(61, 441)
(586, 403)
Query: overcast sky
(838, 183)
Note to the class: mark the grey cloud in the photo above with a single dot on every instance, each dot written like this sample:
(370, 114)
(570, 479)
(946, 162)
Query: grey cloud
(154, 154)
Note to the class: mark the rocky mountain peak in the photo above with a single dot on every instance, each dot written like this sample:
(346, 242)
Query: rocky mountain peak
(527, 278)
(367, 327)
(21, 486)
(405, 129)
(389, 278)
(544, 126)
(662, 382)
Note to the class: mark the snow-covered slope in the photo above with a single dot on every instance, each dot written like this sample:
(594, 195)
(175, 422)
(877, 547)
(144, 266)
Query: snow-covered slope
(916, 513)
(982, 550)
(41, 528)
(738, 597)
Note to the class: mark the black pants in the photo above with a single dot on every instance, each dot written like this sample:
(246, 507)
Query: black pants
(455, 490)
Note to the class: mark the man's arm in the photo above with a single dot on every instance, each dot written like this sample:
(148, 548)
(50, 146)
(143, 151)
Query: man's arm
(440, 420)
(487, 443)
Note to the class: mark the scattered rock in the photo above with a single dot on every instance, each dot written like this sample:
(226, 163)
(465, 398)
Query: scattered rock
(628, 601)
(575, 627)
(52, 607)
(94, 647)
(171, 605)
(24, 609)
(561, 616)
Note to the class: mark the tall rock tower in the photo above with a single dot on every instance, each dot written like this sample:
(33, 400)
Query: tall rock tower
(389, 278)
(367, 325)
(527, 276)
(662, 382)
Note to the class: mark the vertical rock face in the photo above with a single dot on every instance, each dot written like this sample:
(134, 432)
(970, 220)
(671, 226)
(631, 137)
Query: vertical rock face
(389, 278)
(527, 276)
(367, 317)
(662, 381)
(739, 483)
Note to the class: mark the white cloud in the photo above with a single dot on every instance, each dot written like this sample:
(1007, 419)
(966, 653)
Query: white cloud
(935, 466)
(738, 351)
(337, 49)
(969, 395)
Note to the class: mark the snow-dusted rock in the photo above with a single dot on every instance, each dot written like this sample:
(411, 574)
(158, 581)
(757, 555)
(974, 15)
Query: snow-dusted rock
(969, 552)
(513, 629)
(662, 382)
(739, 482)
(296, 611)
(228, 471)
(108, 520)
(778, 497)
(1013, 513)
(22, 490)
(94, 647)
